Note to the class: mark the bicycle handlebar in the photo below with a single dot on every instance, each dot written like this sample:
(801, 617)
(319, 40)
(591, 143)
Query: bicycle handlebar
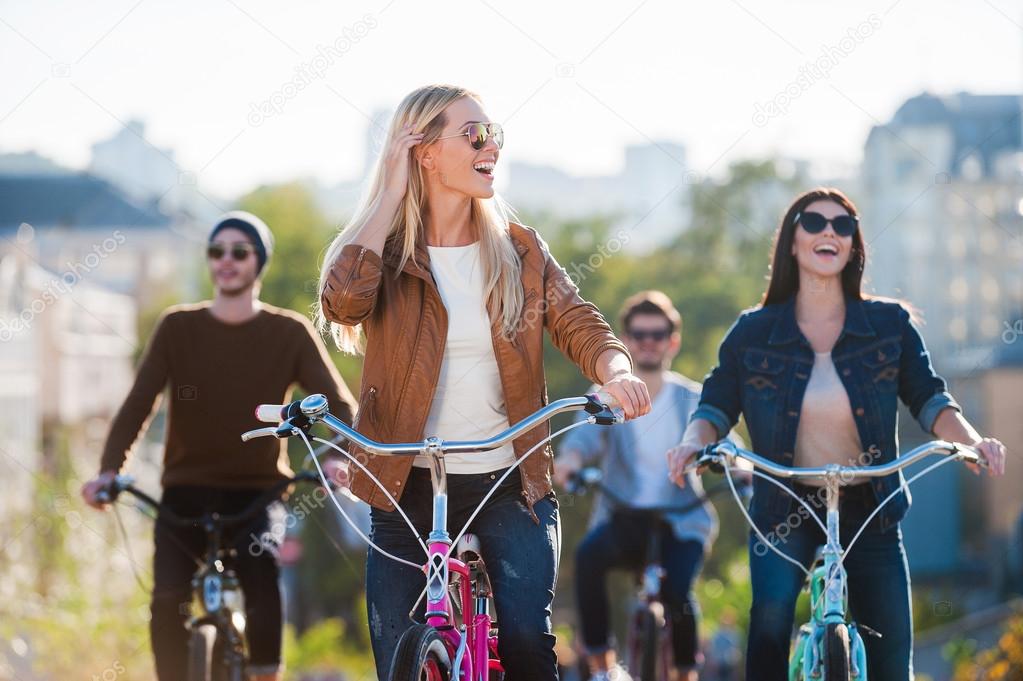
(725, 453)
(593, 477)
(124, 483)
(603, 410)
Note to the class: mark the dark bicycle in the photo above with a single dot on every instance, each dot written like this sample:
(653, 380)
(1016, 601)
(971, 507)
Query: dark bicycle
(217, 648)
(648, 651)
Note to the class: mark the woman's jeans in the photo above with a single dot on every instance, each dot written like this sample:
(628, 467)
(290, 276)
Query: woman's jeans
(521, 558)
(878, 581)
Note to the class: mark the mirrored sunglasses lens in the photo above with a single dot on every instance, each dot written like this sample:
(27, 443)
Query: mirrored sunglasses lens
(478, 135)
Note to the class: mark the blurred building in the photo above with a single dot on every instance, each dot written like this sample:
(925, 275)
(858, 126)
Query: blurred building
(149, 174)
(83, 227)
(942, 201)
(943, 186)
(649, 197)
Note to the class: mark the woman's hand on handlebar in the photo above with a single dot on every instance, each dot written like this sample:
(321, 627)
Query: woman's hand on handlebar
(91, 489)
(630, 392)
(699, 433)
(994, 452)
(679, 457)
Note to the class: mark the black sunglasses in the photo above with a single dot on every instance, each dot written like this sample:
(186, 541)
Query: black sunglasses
(814, 223)
(659, 335)
(238, 251)
(479, 133)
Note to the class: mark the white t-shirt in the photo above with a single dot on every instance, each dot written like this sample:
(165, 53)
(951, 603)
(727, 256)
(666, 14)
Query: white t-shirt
(469, 401)
(655, 433)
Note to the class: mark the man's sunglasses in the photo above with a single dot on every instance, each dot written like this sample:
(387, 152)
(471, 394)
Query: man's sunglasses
(659, 335)
(814, 223)
(479, 133)
(238, 251)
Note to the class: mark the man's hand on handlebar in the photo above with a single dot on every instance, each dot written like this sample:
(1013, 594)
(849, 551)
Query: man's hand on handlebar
(566, 465)
(336, 471)
(91, 489)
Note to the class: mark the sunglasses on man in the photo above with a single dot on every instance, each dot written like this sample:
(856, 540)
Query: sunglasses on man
(658, 335)
(238, 252)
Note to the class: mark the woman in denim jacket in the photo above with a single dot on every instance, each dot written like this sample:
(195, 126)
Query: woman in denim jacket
(817, 371)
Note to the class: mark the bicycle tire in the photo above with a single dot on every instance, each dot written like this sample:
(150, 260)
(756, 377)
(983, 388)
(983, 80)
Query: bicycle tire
(646, 644)
(836, 652)
(200, 653)
(421, 656)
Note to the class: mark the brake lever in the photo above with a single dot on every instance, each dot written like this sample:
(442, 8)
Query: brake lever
(601, 412)
(259, 432)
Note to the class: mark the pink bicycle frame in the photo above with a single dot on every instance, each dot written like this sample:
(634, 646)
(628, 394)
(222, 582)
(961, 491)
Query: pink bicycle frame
(476, 655)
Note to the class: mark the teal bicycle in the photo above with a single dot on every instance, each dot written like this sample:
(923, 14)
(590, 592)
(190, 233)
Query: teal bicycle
(829, 647)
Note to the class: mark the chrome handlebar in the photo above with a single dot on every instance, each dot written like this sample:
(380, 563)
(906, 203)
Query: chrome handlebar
(602, 408)
(725, 453)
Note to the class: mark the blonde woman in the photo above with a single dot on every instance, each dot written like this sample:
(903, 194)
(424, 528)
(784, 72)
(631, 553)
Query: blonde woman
(448, 300)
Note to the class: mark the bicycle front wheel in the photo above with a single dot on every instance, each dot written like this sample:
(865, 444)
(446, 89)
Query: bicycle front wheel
(836, 653)
(646, 645)
(421, 656)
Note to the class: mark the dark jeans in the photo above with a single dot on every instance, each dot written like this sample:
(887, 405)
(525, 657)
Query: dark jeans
(173, 567)
(878, 581)
(521, 558)
(622, 543)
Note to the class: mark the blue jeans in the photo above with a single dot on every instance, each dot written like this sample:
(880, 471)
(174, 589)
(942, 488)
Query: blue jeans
(622, 543)
(878, 581)
(521, 558)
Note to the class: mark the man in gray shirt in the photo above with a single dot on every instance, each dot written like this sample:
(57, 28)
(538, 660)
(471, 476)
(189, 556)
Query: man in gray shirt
(636, 470)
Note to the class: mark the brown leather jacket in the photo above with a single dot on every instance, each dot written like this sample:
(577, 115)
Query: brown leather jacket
(405, 323)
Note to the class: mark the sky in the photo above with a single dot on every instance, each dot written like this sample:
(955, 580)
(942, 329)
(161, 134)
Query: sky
(572, 82)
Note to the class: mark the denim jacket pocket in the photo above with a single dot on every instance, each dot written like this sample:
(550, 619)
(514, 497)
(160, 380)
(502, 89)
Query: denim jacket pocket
(882, 366)
(763, 374)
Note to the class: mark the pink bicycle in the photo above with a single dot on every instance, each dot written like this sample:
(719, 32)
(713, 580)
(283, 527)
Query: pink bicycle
(458, 640)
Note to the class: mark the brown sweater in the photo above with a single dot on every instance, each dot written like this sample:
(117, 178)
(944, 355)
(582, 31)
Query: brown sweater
(215, 374)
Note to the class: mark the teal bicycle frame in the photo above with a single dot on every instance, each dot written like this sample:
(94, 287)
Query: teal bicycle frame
(828, 584)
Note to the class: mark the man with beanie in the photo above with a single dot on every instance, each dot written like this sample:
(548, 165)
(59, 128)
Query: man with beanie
(217, 360)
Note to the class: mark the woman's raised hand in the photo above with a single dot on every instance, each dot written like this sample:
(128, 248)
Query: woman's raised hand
(396, 160)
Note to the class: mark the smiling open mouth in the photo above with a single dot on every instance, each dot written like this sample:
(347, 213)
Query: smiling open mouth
(826, 249)
(484, 168)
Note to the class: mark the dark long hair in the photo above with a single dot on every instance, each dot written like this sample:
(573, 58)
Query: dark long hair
(784, 280)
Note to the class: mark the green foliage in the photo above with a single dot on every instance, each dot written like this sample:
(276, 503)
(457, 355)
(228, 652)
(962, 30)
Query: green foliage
(325, 648)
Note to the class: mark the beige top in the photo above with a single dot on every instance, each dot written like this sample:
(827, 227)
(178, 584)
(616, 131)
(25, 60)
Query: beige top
(827, 432)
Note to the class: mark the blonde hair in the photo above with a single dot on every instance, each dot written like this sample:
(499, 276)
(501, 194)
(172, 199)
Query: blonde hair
(423, 110)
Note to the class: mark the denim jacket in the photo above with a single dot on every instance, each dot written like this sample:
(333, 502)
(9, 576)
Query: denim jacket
(764, 365)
